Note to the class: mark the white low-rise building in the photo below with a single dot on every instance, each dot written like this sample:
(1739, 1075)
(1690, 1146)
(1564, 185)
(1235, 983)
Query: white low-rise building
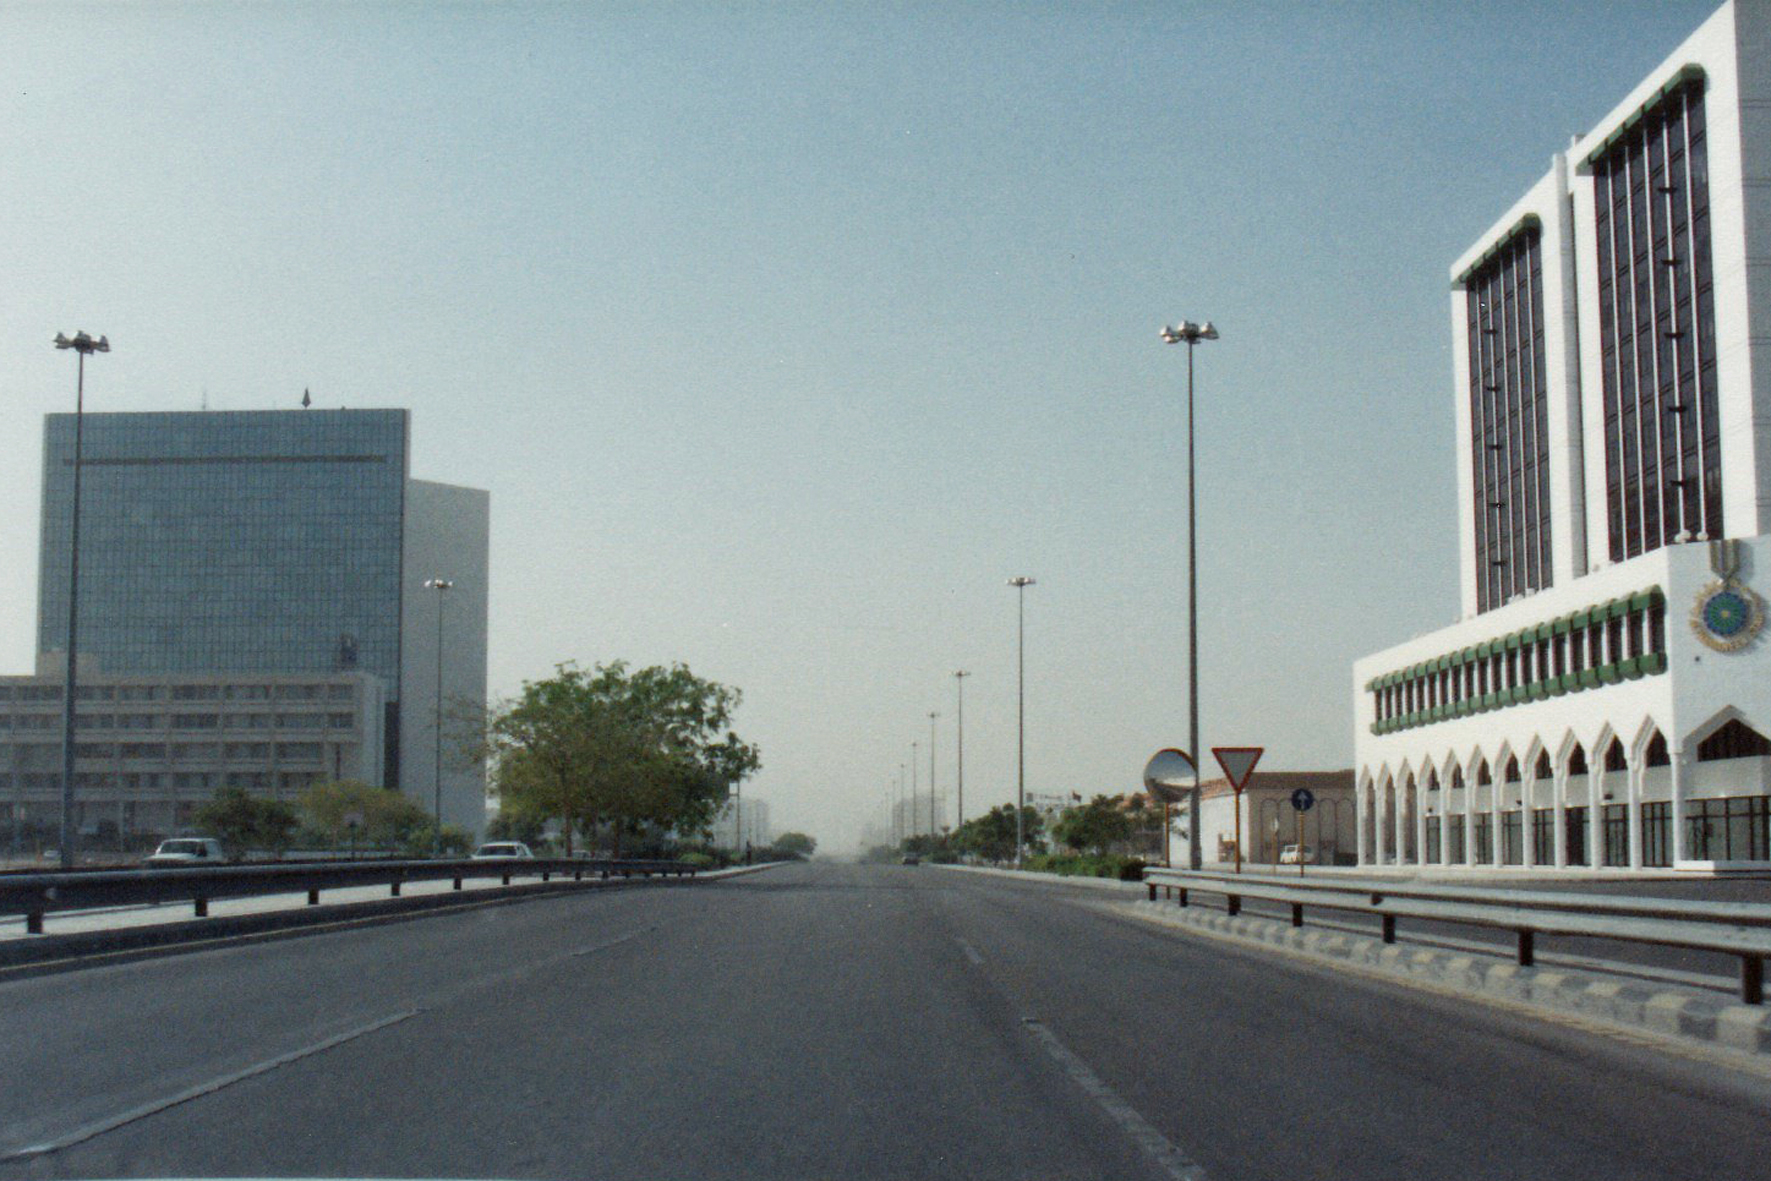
(1605, 699)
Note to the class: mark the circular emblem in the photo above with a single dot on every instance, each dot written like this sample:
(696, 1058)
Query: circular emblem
(1727, 616)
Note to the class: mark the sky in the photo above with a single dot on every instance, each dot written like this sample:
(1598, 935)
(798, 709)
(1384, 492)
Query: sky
(783, 335)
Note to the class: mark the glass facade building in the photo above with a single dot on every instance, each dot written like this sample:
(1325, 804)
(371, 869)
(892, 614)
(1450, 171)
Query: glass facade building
(1509, 432)
(231, 542)
(1657, 323)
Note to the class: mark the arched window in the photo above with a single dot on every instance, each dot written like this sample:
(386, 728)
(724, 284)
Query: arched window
(1657, 756)
(1543, 765)
(1577, 760)
(1735, 740)
(1512, 775)
(1615, 759)
(1482, 776)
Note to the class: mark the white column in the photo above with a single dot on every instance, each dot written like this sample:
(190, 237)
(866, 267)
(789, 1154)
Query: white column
(1635, 774)
(1595, 813)
(1528, 816)
(1361, 812)
(1420, 820)
(1445, 826)
(1469, 818)
(1398, 820)
(1494, 835)
(1677, 775)
(1559, 836)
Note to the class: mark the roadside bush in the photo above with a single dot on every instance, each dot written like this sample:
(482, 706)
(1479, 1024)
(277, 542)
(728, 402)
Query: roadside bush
(700, 860)
(1088, 865)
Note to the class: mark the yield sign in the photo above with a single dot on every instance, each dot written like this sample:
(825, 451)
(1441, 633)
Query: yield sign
(1238, 762)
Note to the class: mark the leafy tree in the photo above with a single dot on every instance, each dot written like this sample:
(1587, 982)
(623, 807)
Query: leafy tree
(632, 749)
(242, 822)
(389, 817)
(512, 825)
(1094, 826)
(797, 843)
(992, 835)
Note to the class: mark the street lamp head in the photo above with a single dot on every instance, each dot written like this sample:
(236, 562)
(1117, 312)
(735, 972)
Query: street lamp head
(82, 343)
(1021, 581)
(441, 584)
(1187, 332)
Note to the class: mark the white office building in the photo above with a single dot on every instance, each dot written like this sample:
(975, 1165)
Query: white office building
(1605, 698)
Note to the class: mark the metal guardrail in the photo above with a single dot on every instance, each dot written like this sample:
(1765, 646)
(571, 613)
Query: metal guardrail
(1741, 929)
(34, 895)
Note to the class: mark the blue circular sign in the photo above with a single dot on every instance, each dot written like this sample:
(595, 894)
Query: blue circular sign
(1303, 799)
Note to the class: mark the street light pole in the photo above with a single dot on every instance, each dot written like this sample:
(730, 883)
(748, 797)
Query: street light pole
(81, 344)
(959, 683)
(932, 716)
(914, 788)
(1020, 583)
(1191, 334)
(439, 585)
(898, 812)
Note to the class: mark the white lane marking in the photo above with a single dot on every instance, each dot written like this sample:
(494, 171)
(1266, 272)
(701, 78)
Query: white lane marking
(80, 1135)
(608, 943)
(971, 953)
(1170, 1159)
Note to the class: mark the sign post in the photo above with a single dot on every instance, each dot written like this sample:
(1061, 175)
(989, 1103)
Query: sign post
(1302, 800)
(1238, 764)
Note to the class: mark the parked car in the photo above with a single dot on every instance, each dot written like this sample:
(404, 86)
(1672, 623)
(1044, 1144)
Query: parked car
(912, 859)
(1298, 855)
(188, 851)
(503, 851)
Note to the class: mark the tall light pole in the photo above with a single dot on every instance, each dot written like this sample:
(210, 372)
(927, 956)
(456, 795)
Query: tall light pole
(1190, 334)
(81, 344)
(439, 585)
(932, 716)
(1020, 583)
(914, 772)
(959, 683)
(898, 817)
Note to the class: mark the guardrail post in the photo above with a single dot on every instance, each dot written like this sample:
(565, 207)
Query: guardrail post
(546, 875)
(202, 906)
(1233, 904)
(507, 877)
(394, 888)
(34, 923)
(1527, 947)
(458, 881)
(578, 875)
(1389, 928)
(605, 876)
(1181, 894)
(1152, 891)
(1752, 979)
(313, 898)
(1297, 914)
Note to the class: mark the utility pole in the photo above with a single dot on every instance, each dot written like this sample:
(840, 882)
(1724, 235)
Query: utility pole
(959, 682)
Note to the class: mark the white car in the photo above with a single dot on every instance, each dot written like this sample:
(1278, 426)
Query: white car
(1298, 855)
(188, 851)
(503, 851)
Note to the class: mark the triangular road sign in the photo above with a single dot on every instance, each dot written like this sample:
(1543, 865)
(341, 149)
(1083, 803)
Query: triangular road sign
(1238, 762)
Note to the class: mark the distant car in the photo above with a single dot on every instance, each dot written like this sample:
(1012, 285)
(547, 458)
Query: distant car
(1298, 855)
(911, 859)
(503, 851)
(188, 851)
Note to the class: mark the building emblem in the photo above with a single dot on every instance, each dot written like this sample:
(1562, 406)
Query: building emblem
(1728, 615)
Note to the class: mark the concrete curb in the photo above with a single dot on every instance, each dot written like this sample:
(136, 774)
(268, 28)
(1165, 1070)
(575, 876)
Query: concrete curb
(42, 955)
(1056, 879)
(1685, 1014)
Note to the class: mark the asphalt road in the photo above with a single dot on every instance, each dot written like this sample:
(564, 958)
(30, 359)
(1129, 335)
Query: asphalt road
(822, 1021)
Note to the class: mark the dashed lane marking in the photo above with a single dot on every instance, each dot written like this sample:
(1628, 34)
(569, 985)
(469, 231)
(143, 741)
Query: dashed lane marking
(111, 1124)
(971, 953)
(1161, 1151)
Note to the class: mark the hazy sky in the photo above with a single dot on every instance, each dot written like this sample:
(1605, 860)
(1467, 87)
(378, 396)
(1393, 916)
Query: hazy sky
(784, 334)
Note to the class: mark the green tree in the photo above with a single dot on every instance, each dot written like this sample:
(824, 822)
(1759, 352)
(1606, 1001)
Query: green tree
(512, 825)
(389, 818)
(992, 835)
(797, 843)
(630, 749)
(1094, 826)
(242, 822)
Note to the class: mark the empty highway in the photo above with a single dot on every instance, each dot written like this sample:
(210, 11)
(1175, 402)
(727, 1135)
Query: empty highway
(819, 1021)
